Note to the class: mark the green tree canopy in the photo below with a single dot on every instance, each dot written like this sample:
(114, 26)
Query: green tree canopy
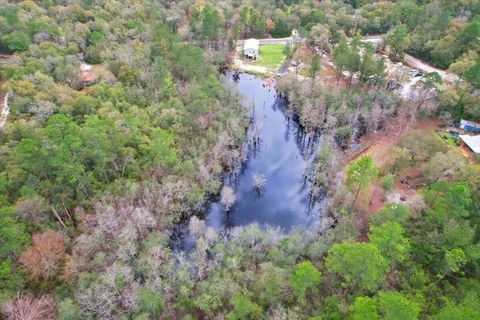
(361, 265)
(390, 239)
(149, 301)
(17, 41)
(243, 307)
(466, 309)
(13, 238)
(304, 276)
(364, 308)
(360, 173)
(395, 212)
(398, 40)
(395, 306)
(211, 23)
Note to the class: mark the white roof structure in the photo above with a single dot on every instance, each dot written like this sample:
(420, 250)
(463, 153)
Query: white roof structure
(251, 44)
(473, 142)
(466, 122)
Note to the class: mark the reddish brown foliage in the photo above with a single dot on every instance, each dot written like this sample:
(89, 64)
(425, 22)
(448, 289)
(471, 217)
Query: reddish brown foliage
(44, 257)
(269, 25)
(29, 308)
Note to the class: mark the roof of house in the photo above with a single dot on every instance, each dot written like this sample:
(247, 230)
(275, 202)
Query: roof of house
(251, 44)
(473, 142)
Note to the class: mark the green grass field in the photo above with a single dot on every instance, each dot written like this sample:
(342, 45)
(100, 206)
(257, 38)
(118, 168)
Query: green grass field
(271, 55)
(450, 139)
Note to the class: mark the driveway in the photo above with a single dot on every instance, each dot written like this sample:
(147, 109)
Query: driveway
(415, 62)
(269, 41)
(425, 67)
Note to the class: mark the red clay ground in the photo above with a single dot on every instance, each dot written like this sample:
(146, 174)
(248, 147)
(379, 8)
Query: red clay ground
(378, 145)
(326, 76)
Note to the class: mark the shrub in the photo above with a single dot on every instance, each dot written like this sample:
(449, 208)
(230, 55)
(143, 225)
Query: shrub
(17, 41)
(149, 301)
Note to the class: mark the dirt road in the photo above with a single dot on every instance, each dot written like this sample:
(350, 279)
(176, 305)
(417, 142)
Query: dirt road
(415, 62)
(268, 41)
(423, 66)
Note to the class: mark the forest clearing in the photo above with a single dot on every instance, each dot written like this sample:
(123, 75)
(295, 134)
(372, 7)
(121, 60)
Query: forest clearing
(271, 55)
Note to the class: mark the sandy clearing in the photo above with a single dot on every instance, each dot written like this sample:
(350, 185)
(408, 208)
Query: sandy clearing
(239, 64)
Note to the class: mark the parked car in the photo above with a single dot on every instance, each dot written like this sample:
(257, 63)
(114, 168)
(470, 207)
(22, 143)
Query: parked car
(418, 74)
(454, 133)
(415, 73)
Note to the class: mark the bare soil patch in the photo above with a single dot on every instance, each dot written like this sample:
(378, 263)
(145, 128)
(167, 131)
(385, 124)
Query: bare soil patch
(327, 76)
(379, 145)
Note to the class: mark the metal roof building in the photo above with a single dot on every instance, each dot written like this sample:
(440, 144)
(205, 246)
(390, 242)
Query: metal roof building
(250, 48)
(473, 142)
(470, 126)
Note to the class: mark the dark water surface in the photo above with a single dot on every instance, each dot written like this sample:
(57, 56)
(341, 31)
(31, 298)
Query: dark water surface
(281, 156)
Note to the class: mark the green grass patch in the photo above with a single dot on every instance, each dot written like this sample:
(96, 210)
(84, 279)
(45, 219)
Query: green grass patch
(271, 55)
(451, 140)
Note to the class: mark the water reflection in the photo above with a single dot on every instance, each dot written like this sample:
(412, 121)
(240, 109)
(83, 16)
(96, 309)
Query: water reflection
(278, 150)
(282, 153)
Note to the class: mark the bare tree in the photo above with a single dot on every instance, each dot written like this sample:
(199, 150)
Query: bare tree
(29, 308)
(258, 181)
(196, 226)
(227, 197)
(424, 91)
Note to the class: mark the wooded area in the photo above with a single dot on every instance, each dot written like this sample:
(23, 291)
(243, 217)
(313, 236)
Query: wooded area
(99, 165)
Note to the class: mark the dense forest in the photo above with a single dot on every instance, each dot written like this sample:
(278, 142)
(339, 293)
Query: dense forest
(121, 122)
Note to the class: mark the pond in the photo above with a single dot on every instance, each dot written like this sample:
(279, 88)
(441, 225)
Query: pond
(281, 155)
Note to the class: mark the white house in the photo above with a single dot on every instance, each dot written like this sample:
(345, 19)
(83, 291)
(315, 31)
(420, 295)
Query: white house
(250, 48)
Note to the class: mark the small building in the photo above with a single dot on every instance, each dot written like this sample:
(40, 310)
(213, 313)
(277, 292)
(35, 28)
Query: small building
(469, 126)
(250, 48)
(472, 142)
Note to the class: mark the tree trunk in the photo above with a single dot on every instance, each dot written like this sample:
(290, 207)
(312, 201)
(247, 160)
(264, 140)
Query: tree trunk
(356, 196)
(350, 80)
(373, 196)
(58, 217)
(394, 167)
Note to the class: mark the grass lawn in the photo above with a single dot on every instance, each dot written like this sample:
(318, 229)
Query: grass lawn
(271, 55)
(450, 139)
